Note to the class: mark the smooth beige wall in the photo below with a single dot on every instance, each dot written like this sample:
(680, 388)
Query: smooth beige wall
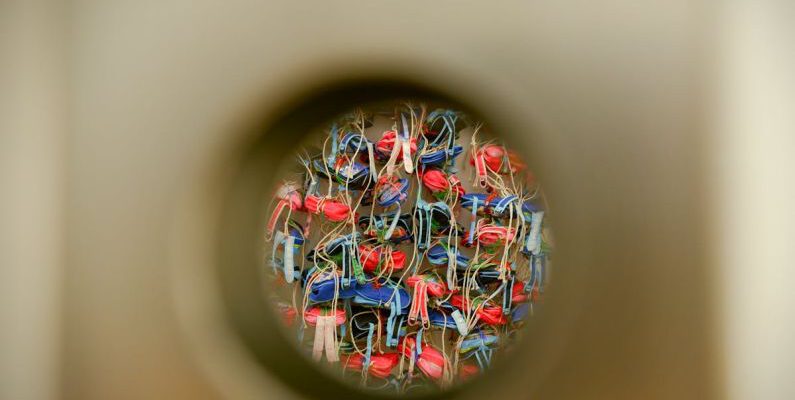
(159, 89)
(754, 176)
(663, 126)
(32, 149)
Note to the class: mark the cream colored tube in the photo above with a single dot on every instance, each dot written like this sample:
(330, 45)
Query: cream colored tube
(32, 127)
(754, 172)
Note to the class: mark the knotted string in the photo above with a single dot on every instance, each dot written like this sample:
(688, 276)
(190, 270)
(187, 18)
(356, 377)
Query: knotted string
(498, 222)
(334, 211)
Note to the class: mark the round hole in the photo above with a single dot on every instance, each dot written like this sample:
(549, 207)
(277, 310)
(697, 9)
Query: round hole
(334, 194)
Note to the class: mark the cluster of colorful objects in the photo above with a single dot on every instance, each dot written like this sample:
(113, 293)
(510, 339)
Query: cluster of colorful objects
(412, 279)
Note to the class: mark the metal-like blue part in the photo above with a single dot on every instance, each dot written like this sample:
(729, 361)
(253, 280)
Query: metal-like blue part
(440, 319)
(389, 195)
(537, 267)
(440, 149)
(347, 249)
(354, 175)
(480, 345)
(353, 142)
(385, 294)
(448, 129)
(440, 157)
(423, 215)
(478, 340)
(520, 312)
(438, 255)
(291, 245)
(319, 166)
(347, 305)
(369, 351)
(394, 323)
(528, 208)
(507, 298)
(404, 132)
(496, 207)
(323, 290)
(474, 200)
(499, 205)
(432, 218)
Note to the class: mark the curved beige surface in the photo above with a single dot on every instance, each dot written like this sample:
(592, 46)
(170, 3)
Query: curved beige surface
(615, 101)
(162, 88)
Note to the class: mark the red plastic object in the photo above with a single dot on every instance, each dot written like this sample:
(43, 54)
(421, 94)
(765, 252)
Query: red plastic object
(370, 257)
(435, 180)
(311, 315)
(333, 210)
(387, 142)
(430, 362)
(488, 314)
(381, 365)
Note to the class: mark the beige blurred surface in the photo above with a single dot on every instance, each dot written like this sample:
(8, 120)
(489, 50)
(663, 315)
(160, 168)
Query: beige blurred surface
(32, 139)
(754, 176)
(663, 128)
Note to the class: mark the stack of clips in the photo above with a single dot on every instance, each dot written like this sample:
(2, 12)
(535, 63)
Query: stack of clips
(409, 249)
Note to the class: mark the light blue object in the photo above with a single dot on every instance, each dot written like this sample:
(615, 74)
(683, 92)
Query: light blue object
(369, 346)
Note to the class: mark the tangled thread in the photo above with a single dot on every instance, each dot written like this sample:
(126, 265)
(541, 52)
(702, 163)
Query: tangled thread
(409, 276)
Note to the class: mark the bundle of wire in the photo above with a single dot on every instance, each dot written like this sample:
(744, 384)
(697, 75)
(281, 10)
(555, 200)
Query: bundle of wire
(409, 255)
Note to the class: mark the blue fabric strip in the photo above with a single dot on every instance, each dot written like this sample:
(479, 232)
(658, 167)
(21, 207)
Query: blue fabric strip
(369, 346)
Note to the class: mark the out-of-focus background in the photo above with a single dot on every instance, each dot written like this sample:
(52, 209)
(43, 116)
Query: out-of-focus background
(115, 114)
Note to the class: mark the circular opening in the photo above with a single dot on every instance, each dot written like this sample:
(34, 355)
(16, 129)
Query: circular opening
(468, 231)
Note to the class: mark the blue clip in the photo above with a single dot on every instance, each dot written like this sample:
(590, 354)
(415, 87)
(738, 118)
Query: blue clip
(389, 196)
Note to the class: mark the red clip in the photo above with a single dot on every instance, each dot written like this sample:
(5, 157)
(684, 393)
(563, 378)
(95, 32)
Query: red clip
(431, 361)
(435, 288)
(387, 142)
(489, 234)
(435, 180)
(370, 257)
(333, 210)
(488, 314)
(518, 294)
(381, 365)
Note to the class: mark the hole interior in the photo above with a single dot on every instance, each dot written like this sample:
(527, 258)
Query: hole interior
(249, 312)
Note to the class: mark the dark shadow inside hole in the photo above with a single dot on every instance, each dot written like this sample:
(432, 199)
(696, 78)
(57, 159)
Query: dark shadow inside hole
(249, 314)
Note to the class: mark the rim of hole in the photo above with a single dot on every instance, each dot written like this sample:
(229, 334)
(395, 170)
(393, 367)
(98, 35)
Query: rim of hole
(251, 317)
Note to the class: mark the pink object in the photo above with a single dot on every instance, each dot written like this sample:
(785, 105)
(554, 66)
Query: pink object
(430, 362)
(333, 210)
(381, 365)
(488, 314)
(435, 180)
(370, 257)
(311, 315)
